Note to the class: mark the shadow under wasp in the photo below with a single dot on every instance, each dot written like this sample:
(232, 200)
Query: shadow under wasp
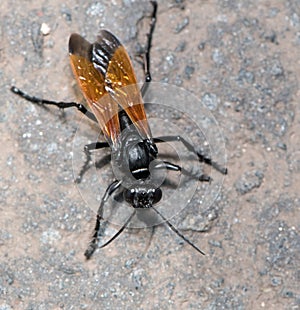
(107, 80)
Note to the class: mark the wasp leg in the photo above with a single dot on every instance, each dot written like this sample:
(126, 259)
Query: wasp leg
(87, 150)
(146, 63)
(59, 104)
(93, 244)
(190, 147)
(169, 166)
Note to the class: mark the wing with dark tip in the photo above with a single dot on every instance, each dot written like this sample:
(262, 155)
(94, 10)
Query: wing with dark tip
(92, 84)
(106, 77)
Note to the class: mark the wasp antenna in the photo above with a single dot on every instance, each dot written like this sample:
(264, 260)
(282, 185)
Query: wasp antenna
(120, 231)
(178, 232)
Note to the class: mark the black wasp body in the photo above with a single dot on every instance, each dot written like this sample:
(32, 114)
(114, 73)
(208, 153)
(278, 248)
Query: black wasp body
(133, 159)
(137, 152)
(105, 75)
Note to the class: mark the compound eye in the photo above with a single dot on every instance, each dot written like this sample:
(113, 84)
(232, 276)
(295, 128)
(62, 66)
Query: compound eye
(129, 195)
(157, 195)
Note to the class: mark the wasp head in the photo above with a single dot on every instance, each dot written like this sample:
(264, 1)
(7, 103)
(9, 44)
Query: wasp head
(142, 196)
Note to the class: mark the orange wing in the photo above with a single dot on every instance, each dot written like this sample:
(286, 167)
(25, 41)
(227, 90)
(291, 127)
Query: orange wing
(92, 84)
(106, 77)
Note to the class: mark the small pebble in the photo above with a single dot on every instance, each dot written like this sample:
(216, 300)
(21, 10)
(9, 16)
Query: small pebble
(45, 29)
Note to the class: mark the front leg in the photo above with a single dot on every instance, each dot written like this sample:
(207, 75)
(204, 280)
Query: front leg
(93, 244)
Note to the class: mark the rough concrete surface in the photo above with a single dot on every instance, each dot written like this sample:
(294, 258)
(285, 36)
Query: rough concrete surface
(241, 60)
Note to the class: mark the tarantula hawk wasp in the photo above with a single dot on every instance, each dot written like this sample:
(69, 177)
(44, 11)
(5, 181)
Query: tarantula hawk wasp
(107, 80)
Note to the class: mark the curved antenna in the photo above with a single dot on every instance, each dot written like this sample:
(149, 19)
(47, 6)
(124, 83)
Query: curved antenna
(178, 232)
(119, 232)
